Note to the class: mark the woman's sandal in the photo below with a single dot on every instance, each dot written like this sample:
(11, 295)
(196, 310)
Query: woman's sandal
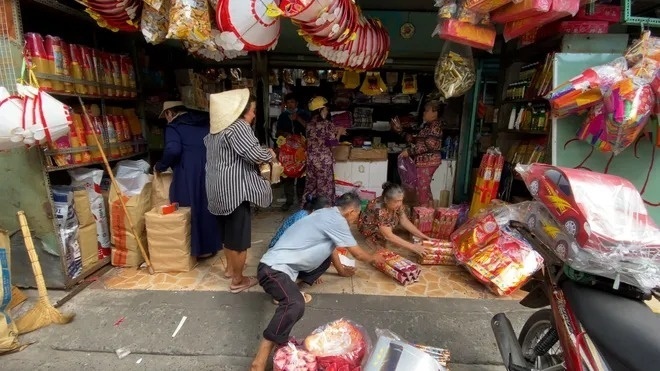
(251, 281)
(308, 299)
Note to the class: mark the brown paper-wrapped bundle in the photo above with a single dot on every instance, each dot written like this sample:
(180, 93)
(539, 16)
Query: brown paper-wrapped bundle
(169, 240)
(125, 250)
(87, 235)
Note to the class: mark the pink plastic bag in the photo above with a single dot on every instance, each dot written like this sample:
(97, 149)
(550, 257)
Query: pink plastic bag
(407, 172)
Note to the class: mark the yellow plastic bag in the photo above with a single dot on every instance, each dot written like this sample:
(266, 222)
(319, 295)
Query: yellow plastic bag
(155, 23)
(373, 84)
(190, 21)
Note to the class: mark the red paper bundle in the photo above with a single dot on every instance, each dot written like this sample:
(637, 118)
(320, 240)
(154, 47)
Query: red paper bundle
(423, 219)
(505, 264)
(444, 223)
(558, 10)
(520, 10)
(437, 253)
(401, 269)
(474, 235)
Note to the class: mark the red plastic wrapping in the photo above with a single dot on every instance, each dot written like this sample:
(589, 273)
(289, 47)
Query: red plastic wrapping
(339, 345)
(476, 36)
(423, 218)
(407, 172)
(602, 12)
(293, 156)
(558, 10)
(474, 235)
(524, 9)
(401, 269)
(444, 223)
(293, 358)
(485, 6)
(607, 218)
(505, 264)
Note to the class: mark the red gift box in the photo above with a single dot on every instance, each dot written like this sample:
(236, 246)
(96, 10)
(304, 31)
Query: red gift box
(602, 12)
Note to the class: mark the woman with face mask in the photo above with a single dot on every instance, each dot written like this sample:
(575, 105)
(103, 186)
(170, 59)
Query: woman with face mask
(322, 135)
(185, 153)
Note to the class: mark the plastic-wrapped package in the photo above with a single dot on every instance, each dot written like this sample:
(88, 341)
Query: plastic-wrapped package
(559, 9)
(463, 210)
(466, 33)
(505, 264)
(407, 172)
(485, 6)
(607, 217)
(629, 104)
(339, 345)
(154, 23)
(68, 227)
(444, 222)
(423, 218)
(517, 11)
(454, 73)
(436, 253)
(293, 156)
(293, 358)
(189, 20)
(585, 90)
(393, 353)
(593, 129)
(91, 180)
(399, 268)
(646, 46)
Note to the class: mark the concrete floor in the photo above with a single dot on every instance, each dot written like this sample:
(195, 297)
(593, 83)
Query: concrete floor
(223, 330)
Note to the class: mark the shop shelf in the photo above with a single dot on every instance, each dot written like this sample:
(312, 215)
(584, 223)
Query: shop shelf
(71, 80)
(527, 132)
(525, 100)
(73, 166)
(64, 151)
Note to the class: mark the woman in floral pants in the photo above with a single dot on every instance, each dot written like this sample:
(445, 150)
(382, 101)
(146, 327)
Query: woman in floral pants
(425, 150)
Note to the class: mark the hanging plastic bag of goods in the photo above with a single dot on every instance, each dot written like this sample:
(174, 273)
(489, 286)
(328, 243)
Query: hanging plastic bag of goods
(455, 73)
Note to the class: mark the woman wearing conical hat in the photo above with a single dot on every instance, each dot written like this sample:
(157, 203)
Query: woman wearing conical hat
(233, 181)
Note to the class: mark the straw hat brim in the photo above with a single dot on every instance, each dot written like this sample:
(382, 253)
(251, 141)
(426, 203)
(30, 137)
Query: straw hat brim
(226, 107)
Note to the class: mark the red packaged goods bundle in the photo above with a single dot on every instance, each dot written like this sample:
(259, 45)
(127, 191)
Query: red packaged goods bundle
(602, 12)
(517, 11)
(437, 253)
(476, 36)
(505, 264)
(401, 269)
(474, 235)
(53, 47)
(558, 10)
(339, 345)
(444, 222)
(484, 6)
(293, 155)
(423, 219)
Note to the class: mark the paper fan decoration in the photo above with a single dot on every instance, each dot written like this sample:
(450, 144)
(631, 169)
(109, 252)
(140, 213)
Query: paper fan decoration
(246, 25)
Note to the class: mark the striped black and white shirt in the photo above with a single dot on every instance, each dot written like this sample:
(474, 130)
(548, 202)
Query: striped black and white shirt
(232, 174)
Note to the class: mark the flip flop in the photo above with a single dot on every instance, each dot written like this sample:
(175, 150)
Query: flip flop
(308, 299)
(252, 281)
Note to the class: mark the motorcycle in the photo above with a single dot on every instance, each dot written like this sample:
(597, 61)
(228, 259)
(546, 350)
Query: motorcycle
(592, 323)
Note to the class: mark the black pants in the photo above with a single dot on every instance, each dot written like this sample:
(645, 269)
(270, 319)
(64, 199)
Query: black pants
(288, 185)
(291, 305)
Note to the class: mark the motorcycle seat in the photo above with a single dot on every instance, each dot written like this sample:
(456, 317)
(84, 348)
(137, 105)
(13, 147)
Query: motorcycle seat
(625, 331)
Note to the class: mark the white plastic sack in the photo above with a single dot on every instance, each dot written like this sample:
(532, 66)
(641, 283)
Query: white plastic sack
(91, 180)
(132, 176)
(68, 228)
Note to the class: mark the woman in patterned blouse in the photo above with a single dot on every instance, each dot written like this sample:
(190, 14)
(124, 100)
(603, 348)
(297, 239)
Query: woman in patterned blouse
(385, 213)
(425, 150)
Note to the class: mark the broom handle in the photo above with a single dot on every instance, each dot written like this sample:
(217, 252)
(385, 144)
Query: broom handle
(116, 187)
(32, 253)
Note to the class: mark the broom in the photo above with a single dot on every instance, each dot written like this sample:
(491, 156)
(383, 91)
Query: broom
(17, 297)
(116, 187)
(43, 313)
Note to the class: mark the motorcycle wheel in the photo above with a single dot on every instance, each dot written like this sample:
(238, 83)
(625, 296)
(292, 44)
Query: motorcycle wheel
(533, 331)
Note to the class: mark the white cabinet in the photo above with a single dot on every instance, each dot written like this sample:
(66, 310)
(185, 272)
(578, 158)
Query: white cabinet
(372, 174)
(443, 178)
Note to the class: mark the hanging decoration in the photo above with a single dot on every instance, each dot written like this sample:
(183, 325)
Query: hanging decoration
(115, 15)
(247, 26)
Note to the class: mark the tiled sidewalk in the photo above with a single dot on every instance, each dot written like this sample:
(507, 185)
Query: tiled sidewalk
(435, 281)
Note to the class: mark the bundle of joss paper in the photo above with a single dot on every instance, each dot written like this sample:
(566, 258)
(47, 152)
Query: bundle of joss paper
(401, 269)
(496, 256)
(437, 252)
(423, 218)
(620, 97)
(444, 222)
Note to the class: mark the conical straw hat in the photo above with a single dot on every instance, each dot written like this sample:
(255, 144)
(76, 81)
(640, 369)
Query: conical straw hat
(226, 107)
